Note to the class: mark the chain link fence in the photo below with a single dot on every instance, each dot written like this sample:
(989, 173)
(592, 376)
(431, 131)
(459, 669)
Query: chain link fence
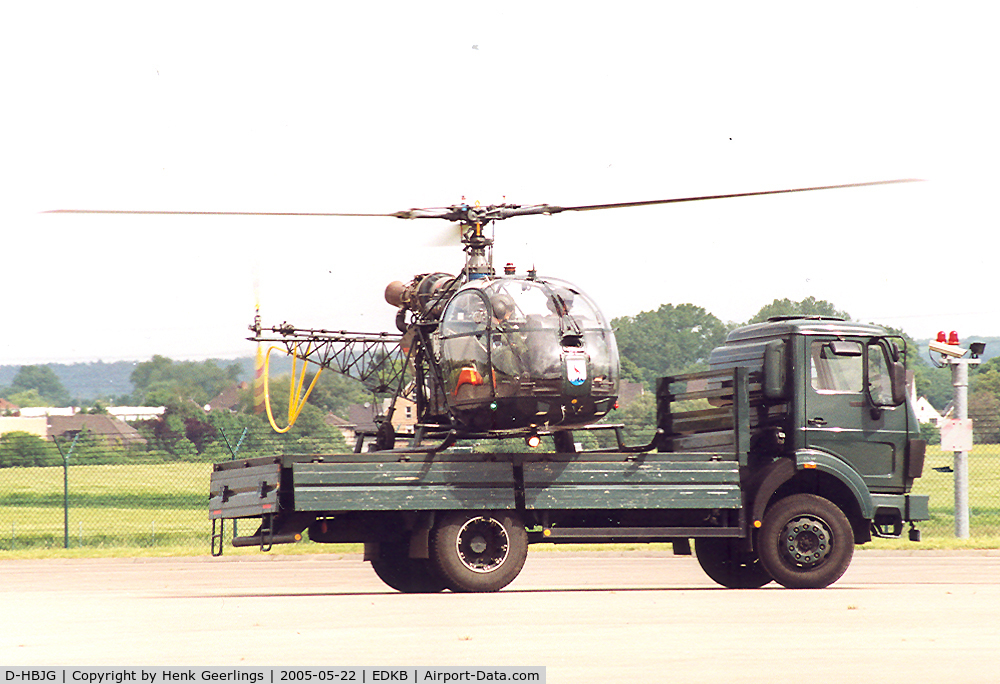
(92, 492)
(105, 491)
(938, 481)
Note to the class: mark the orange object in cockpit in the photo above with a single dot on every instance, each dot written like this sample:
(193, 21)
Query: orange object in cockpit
(468, 376)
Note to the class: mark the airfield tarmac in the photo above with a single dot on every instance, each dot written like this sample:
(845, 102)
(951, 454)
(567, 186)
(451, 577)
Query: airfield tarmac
(919, 616)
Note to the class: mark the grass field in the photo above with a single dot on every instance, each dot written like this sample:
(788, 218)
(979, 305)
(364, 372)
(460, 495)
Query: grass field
(109, 505)
(984, 492)
(161, 509)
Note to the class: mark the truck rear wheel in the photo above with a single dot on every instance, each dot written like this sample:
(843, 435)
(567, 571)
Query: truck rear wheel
(479, 551)
(724, 561)
(805, 542)
(408, 575)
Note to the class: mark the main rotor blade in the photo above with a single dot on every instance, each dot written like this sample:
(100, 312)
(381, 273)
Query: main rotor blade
(202, 213)
(448, 213)
(550, 209)
(465, 214)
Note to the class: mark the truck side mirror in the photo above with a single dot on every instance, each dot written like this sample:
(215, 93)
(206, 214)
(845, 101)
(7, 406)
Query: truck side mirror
(775, 370)
(898, 371)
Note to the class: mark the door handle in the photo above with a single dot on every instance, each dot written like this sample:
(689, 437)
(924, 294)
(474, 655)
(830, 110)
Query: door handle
(817, 422)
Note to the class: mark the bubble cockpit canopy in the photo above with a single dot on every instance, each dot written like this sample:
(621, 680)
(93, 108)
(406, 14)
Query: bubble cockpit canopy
(537, 350)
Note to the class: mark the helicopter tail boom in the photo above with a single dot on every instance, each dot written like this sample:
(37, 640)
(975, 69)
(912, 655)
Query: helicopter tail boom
(376, 360)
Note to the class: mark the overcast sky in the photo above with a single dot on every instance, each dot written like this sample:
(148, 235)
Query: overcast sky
(386, 106)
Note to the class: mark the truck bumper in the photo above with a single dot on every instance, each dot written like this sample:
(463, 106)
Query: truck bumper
(892, 510)
(905, 507)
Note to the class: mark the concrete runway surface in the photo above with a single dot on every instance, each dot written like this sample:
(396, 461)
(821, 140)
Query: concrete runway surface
(918, 616)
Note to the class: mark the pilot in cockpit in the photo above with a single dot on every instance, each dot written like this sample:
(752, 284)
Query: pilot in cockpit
(506, 344)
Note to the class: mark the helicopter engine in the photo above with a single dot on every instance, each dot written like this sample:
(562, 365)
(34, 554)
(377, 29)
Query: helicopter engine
(425, 295)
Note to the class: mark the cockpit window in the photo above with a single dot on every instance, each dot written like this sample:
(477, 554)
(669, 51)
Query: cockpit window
(498, 335)
(466, 313)
(543, 303)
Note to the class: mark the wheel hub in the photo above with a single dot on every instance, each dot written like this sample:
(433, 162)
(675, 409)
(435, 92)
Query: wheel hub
(806, 541)
(482, 544)
(477, 544)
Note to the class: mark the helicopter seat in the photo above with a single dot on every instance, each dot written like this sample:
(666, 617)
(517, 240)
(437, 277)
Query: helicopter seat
(544, 347)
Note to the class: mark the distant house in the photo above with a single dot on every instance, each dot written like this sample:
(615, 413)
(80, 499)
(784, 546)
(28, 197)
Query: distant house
(228, 399)
(629, 392)
(346, 427)
(361, 419)
(109, 428)
(948, 411)
(33, 426)
(43, 411)
(7, 408)
(926, 414)
(404, 417)
(102, 426)
(136, 413)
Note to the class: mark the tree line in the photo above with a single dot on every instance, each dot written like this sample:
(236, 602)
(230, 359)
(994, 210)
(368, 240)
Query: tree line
(185, 431)
(669, 340)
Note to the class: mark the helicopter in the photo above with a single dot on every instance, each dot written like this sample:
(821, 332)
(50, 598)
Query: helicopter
(482, 355)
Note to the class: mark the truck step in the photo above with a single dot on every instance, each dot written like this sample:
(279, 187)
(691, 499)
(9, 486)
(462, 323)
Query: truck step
(265, 540)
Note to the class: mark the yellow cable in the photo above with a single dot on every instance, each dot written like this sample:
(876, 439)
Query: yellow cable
(295, 405)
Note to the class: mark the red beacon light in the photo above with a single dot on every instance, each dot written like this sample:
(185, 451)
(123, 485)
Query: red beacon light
(947, 345)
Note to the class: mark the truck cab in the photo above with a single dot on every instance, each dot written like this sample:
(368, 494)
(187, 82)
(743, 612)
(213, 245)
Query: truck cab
(834, 401)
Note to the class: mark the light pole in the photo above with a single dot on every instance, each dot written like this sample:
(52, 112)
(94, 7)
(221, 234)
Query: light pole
(956, 434)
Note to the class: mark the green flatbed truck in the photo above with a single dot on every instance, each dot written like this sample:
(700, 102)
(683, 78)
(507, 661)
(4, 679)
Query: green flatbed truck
(797, 444)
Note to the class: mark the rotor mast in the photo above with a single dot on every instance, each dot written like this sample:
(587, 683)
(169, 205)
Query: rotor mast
(478, 252)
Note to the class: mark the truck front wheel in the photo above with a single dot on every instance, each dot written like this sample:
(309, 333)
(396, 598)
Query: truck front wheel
(805, 542)
(479, 551)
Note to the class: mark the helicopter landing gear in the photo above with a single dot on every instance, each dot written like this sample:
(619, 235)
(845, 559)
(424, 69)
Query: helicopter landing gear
(564, 442)
(385, 438)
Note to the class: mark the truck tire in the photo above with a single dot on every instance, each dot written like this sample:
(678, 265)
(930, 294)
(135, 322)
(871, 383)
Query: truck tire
(805, 542)
(724, 561)
(479, 551)
(408, 575)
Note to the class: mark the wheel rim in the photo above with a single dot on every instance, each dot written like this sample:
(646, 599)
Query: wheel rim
(806, 541)
(482, 544)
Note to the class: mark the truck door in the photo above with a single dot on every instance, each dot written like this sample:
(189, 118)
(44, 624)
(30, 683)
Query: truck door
(850, 411)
